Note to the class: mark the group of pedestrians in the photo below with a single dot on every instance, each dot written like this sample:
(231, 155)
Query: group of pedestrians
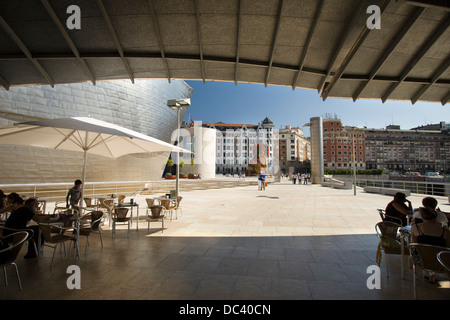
(301, 177)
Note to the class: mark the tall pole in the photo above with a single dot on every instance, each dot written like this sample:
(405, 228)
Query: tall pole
(354, 164)
(316, 125)
(83, 177)
(177, 104)
(178, 153)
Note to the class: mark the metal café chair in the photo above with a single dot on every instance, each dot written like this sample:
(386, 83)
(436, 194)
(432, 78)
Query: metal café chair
(155, 216)
(93, 227)
(388, 234)
(120, 215)
(424, 256)
(59, 238)
(8, 255)
(385, 217)
(444, 259)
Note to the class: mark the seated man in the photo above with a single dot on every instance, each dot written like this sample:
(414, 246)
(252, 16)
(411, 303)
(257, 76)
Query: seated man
(398, 209)
(19, 219)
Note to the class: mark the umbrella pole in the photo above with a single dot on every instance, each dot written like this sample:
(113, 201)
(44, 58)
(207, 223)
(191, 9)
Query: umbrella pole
(178, 154)
(83, 178)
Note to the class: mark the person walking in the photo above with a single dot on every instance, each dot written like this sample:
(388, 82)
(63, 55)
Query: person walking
(262, 175)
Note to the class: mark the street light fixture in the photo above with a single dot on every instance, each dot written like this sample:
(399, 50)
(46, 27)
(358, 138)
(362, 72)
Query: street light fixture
(354, 130)
(178, 104)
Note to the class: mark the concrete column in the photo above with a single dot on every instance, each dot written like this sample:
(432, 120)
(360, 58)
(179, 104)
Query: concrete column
(204, 142)
(316, 128)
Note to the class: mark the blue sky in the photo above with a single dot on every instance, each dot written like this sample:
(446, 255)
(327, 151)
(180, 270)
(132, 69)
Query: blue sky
(251, 103)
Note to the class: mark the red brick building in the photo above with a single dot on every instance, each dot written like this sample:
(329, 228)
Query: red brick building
(337, 145)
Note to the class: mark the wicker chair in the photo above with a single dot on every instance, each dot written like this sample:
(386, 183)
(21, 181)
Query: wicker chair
(108, 206)
(56, 239)
(150, 202)
(96, 218)
(60, 206)
(120, 198)
(155, 216)
(387, 218)
(167, 207)
(89, 203)
(424, 256)
(9, 255)
(178, 207)
(120, 215)
(388, 234)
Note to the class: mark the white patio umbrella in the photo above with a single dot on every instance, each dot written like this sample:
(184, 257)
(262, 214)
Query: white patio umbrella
(83, 134)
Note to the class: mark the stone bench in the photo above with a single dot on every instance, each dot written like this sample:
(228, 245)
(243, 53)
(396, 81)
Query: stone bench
(337, 185)
(387, 191)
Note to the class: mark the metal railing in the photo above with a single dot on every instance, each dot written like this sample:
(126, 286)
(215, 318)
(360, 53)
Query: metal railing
(421, 187)
(53, 192)
(58, 191)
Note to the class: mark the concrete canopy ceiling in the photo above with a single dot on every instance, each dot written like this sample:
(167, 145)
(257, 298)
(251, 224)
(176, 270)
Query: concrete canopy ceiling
(315, 44)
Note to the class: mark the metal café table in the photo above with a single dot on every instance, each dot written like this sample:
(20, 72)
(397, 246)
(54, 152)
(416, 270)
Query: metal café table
(130, 205)
(405, 233)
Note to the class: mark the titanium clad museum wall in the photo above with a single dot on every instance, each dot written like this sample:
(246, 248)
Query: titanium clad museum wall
(141, 107)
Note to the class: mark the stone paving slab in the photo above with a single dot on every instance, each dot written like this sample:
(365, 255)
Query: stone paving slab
(301, 242)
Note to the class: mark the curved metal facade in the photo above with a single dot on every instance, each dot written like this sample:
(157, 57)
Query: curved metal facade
(141, 106)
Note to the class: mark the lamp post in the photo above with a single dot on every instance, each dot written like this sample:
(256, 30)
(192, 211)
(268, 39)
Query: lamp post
(354, 163)
(354, 131)
(177, 105)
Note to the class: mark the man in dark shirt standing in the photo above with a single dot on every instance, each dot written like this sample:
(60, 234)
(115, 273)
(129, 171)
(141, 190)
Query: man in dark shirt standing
(19, 219)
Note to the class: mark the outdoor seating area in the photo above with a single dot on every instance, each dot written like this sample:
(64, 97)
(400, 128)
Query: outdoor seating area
(235, 243)
(181, 190)
(422, 251)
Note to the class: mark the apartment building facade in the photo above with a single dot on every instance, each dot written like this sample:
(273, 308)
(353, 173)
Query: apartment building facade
(338, 141)
(418, 150)
(294, 150)
(240, 146)
(421, 149)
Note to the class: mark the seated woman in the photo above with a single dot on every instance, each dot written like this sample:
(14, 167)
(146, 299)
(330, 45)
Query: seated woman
(13, 202)
(2, 203)
(430, 202)
(430, 231)
(2, 199)
(398, 209)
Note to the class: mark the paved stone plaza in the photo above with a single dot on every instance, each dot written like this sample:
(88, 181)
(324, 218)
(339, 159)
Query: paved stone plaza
(287, 242)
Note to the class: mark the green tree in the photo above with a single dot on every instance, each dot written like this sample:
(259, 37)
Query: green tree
(170, 164)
